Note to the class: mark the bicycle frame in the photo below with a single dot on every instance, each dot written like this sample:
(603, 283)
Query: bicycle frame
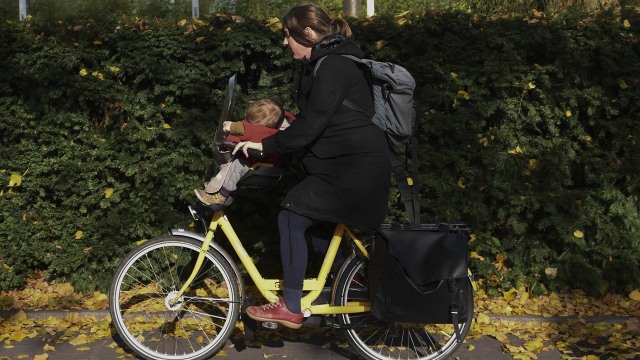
(268, 287)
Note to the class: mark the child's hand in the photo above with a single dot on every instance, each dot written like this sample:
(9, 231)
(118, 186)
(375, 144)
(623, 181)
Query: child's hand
(226, 126)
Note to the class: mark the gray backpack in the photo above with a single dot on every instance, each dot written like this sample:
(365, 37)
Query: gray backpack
(392, 89)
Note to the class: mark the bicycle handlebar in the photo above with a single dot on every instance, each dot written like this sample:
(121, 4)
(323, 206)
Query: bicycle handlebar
(252, 152)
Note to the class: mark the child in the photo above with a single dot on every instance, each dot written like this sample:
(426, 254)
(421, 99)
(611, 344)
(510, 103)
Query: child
(263, 118)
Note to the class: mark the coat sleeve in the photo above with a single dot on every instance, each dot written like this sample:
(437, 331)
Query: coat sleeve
(252, 132)
(328, 90)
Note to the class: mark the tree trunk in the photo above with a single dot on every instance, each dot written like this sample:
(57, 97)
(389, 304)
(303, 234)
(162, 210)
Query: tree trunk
(352, 8)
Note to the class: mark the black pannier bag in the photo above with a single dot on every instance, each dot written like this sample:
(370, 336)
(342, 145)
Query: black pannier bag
(420, 274)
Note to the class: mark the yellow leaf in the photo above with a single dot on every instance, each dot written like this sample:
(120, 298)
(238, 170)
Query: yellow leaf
(200, 39)
(592, 357)
(461, 183)
(108, 192)
(80, 340)
(510, 295)
(83, 72)
(140, 242)
(65, 289)
(626, 23)
(266, 356)
(579, 234)
(587, 138)
(182, 22)
(15, 179)
(18, 335)
(41, 357)
(79, 234)
(531, 85)
(19, 316)
(623, 85)
(483, 318)
(524, 298)
(567, 113)
(635, 295)
(471, 347)
(515, 150)
(48, 347)
(533, 164)
(166, 126)
(453, 75)
(97, 42)
(114, 68)
(474, 255)
(534, 345)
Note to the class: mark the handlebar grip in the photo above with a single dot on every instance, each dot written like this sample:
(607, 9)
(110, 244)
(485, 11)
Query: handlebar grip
(255, 153)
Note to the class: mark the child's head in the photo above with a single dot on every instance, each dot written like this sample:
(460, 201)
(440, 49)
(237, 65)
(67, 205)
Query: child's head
(265, 112)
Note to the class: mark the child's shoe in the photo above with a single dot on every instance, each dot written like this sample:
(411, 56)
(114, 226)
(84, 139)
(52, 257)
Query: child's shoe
(210, 199)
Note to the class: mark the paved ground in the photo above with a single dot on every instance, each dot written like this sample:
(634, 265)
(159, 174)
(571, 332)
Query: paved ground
(288, 347)
(307, 343)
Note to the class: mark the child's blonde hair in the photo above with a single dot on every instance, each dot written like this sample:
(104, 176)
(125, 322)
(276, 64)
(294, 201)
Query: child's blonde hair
(265, 112)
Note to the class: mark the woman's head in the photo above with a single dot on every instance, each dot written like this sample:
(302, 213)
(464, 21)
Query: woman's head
(265, 112)
(307, 24)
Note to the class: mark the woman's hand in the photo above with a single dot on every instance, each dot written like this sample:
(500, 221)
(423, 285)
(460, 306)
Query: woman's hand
(245, 146)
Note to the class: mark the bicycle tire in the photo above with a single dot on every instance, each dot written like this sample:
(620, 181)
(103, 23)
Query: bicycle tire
(198, 325)
(376, 340)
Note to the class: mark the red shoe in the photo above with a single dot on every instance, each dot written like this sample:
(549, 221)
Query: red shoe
(276, 312)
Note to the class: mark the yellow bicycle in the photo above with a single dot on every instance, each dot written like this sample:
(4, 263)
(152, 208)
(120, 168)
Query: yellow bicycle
(179, 296)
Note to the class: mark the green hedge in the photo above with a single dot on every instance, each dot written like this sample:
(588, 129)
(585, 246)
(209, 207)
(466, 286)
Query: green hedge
(528, 132)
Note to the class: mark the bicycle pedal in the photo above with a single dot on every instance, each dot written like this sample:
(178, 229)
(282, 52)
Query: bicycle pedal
(270, 325)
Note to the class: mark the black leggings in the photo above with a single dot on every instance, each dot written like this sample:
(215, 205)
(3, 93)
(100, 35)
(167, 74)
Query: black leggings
(295, 231)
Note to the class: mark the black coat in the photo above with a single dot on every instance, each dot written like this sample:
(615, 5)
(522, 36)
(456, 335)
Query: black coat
(347, 158)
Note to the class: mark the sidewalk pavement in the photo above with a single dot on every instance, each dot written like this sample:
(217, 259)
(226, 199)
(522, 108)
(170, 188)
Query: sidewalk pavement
(281, 343)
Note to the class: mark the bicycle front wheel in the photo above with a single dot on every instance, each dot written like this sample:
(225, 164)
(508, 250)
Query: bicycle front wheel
(156, 325)
(376, 340)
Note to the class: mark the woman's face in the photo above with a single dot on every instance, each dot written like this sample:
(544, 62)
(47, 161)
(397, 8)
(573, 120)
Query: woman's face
(299, 51)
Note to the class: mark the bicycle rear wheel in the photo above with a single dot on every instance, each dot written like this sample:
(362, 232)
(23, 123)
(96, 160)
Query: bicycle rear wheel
(193, 328)
(376, 340)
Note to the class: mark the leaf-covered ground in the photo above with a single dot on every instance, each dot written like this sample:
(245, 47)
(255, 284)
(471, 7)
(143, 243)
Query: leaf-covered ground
(569, 322)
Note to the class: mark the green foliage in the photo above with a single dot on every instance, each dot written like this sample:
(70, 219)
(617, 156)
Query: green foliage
(528, 132)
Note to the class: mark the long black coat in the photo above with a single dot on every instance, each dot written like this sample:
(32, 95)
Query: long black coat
(347, 158)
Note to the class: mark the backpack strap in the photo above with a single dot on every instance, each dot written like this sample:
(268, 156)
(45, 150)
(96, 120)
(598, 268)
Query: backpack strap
(407, 183)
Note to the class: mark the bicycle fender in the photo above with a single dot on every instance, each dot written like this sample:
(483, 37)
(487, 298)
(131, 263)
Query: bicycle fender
(196, 236)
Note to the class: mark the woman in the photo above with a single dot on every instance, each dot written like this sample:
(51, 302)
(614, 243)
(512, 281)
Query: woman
(346, 158)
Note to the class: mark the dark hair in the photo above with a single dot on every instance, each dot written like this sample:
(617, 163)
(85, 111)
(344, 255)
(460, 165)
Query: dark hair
(300, 17)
